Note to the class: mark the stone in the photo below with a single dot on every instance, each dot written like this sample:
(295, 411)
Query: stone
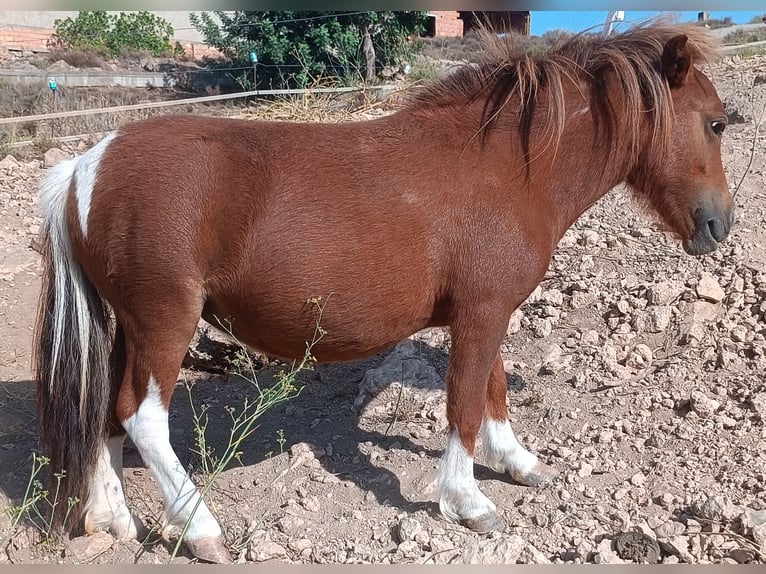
(54, 156)
(665, 292)
(408, 528)
(702, 313)
(514, 324)
(605, 554)
(714, 508)
(639, 358)
(290, 524)
(498, 549)
(669, 529)
(709, 289)
(9, 163)
(703, 405)
(759, 405)
(86, 548)
(262, 548)
(554, 360)
(405, 365)
(658, 319)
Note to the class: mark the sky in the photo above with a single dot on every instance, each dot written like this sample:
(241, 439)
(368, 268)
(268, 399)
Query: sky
(541, 21)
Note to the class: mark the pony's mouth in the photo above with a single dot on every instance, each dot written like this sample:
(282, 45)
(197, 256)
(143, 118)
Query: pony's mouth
(709, 231)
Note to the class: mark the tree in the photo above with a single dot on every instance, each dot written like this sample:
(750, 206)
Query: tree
(296, 48)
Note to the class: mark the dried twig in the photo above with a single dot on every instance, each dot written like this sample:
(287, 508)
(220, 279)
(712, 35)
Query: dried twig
(753, 147)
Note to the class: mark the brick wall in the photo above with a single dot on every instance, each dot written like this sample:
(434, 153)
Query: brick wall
(18, 38)
(28, 38)
(447, 24)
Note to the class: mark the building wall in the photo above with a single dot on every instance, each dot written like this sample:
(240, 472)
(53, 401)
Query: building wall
(447, 23)
(31, 30)
(45, 18)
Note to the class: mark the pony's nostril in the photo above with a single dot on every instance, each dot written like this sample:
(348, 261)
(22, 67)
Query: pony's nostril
(717, 229)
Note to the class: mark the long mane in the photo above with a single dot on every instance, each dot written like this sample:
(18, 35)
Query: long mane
(513, 75)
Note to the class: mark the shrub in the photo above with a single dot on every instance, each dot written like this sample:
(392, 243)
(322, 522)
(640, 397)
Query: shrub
(112, 34)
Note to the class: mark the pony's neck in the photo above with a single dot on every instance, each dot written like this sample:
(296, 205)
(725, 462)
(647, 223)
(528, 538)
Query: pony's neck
(592, 156)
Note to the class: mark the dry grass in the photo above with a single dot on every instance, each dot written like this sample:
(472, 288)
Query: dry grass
(323, 107)
(78, 58)
(17, 100)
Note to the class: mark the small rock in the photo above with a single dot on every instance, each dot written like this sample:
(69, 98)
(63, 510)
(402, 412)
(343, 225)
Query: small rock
(759, 405)
(665, 293)
(498, 549)
(300, 545)
(679, 546)
(605, 554)
(54, 156)
(310, 503)
(85, 548)
(658, 318)
(553, 297)
(541, 328)
(638, 479)
(290, 524)
(640, 357)
(669, 529)
(9, 163)
(584, 470)
(408, 528)
(263, 548)
(715, 508)
(590, 337)
(514, 325)
(554, 360)
(709, 289)
(703, 405)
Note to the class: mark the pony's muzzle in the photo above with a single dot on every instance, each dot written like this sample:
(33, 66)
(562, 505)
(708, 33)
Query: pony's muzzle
(710, 228)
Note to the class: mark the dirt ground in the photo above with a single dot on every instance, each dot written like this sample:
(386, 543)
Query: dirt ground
(635, 370)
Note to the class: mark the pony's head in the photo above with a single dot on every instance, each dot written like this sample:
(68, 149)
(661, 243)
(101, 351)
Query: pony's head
(682, 177)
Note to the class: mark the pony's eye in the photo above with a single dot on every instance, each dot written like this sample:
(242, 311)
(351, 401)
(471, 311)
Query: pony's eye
(718, 127)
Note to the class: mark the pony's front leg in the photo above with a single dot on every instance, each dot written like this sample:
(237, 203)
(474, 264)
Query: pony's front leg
(502, 449)
(474, 344)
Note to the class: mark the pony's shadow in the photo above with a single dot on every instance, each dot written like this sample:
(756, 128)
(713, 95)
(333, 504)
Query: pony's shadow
(322, 414)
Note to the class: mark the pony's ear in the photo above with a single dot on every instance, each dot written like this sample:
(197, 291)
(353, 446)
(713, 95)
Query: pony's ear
(677, 61)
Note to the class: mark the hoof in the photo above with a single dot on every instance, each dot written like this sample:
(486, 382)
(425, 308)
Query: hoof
(209, 550)
(489, 522)
(540, 474)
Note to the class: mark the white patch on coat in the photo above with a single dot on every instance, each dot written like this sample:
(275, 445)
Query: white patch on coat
(502, 449)
(459, 495)
(106, 508)
(86, 173)
(148, 428)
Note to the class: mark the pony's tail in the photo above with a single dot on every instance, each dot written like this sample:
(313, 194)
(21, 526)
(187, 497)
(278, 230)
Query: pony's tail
(72, 365)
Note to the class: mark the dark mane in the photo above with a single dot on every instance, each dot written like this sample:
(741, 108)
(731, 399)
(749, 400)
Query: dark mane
(513, 75)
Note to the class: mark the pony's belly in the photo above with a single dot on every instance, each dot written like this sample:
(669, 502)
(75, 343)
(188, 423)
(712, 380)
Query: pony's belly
(342, 337)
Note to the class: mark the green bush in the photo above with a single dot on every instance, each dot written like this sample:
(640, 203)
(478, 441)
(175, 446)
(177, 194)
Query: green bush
(298, 49)
(112, 35)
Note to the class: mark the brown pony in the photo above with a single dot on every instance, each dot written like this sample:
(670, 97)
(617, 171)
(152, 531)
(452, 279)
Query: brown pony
(443, 214)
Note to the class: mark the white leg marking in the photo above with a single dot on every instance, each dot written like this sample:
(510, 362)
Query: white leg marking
(106, 508)
(503, 451)
(148, 428)
(459, 495)
(86, 173)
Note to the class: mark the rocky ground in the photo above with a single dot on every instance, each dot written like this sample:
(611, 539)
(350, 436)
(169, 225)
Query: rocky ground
(634, 369)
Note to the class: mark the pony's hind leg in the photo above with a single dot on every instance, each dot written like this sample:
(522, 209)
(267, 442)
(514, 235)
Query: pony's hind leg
(503, 451)
(154, 360)
(105, 507)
